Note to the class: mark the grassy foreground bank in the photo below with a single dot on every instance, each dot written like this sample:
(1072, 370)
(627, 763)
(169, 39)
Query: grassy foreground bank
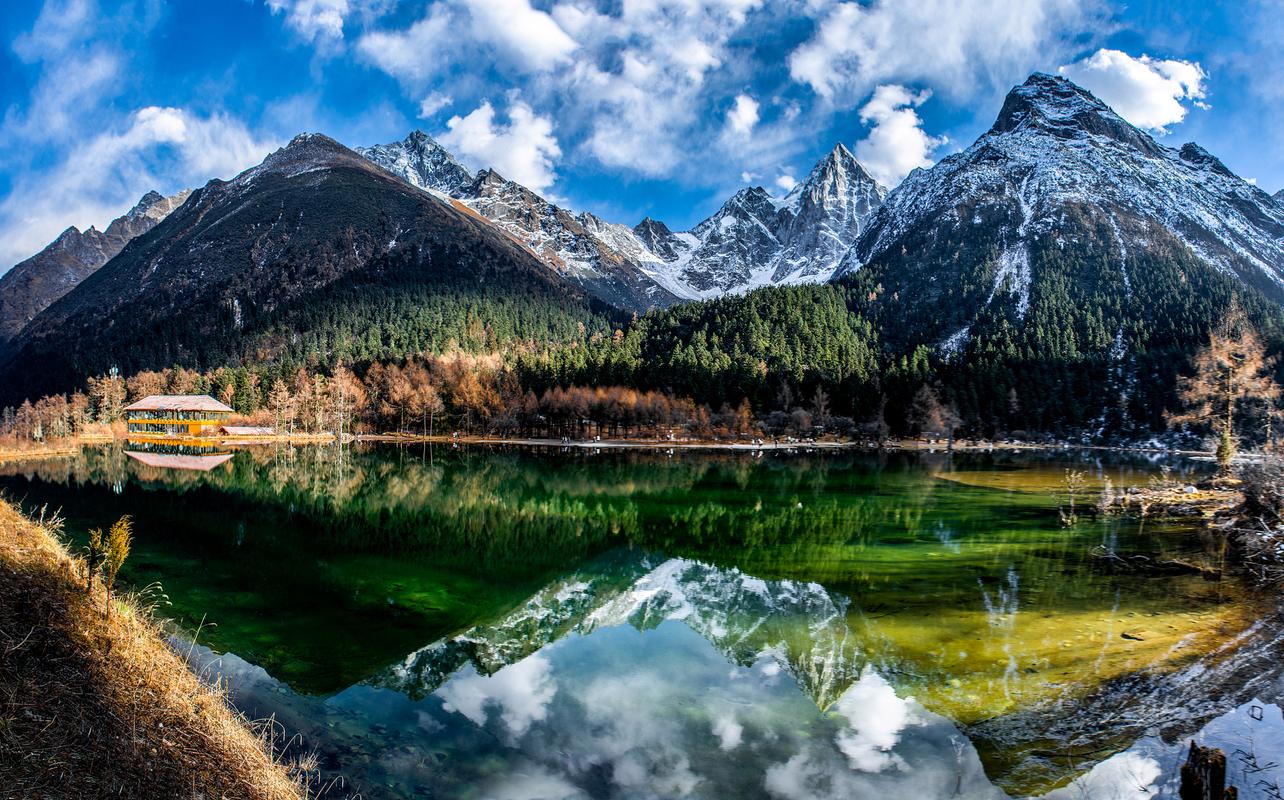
(96, 706)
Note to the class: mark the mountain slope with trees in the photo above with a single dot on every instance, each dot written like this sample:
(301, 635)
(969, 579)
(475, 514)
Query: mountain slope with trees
(314, 256)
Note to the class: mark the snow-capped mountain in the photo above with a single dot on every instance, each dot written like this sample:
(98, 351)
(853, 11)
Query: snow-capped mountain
(33, 285)
(753, 240)
(605, 259)
(1059, 169)
(1279, 196)
(757, 240)
(823, 217)
(420, 161)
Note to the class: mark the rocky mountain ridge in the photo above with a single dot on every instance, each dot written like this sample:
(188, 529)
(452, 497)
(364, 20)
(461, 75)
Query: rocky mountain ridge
(753, 240)
(34, 284)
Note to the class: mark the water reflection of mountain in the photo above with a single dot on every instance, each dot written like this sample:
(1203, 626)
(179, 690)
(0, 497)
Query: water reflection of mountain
(827, 646)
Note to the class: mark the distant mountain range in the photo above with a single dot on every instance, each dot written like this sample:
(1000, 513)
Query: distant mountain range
(1061, 208)
(753, 240)
(31, 286)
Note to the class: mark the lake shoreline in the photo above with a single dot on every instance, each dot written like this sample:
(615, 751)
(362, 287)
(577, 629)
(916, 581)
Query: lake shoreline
(99, 705)
(889, 445)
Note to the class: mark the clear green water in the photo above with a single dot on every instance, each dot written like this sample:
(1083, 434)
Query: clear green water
(531, 623)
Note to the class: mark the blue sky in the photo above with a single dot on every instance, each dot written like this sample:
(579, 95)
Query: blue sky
(621, 107)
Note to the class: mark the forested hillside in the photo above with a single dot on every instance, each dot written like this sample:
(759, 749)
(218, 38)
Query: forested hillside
(315, 256)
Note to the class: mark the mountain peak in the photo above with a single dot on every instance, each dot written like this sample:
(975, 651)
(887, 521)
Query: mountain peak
(311, 140)
(421, 161)
(839, 161)
(1197, 156)
(839, 155)
(487, 180)
(316, 148)
(1057, 106)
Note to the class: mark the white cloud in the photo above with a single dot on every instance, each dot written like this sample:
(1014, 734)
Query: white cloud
(1148, 92)
(640, 79)
(323, 22)
(786, 182)
(313, 20)
(955, 46)
(897, 143)
(524, 34)
(59, 26)
(415, 55)
(432, 103)
(743, 116)
(446, 42)
(520, 693)
(160, 148)
(524, 150)
(630, 82)
(68, 89)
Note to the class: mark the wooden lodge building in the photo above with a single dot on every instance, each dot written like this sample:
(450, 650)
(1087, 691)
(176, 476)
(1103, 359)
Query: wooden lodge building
(176, 414)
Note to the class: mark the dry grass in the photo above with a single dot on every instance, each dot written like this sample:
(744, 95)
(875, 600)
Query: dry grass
(93, 707)
(25, 449)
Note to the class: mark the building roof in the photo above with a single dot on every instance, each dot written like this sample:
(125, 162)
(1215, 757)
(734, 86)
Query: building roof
(179, 402)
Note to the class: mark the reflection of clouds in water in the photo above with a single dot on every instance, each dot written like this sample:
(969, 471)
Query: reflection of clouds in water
(533, 783)
(638, 735)
(521, 693)
(1126, 776)
(875, 756)
(1001, 611)
(728, 732)
(877, 717)
(1251, 736)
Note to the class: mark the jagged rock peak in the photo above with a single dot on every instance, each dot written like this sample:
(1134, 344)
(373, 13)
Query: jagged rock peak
(147, 201)
(652, 228)
(1062, 108)
(487, 179)
(421, 161)
(839, 174)
(153, 206)
(752, 200)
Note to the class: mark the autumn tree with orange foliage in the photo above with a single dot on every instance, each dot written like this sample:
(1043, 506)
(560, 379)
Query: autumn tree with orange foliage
(1233, 368)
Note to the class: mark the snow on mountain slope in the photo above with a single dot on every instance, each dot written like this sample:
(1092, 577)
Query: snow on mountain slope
(756, 240)
(605, 258)
(753, 240)
(1056, 147)
(421, 161)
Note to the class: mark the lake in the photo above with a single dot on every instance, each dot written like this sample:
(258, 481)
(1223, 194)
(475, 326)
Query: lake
(532, 623)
